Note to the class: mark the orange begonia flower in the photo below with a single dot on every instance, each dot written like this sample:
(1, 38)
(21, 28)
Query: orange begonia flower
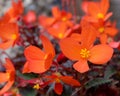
(85, 51)
(58, 30)
(13, 13)
(8, 76)
(58, 16)
(8, 35)
(37, 60)
(57, 78)
(105, 29)
(97, 11)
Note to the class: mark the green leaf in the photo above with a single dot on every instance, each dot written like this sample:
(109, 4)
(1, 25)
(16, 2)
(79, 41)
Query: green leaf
(96, 82)
(26, 76)
(110, 70)
(27, 91)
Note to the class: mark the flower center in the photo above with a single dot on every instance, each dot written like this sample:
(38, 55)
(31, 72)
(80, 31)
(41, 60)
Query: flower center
(46, 56)
(84, 53)
(36, 86)
(60, 35)
(14, 36)
(57, 80)
(101, 29)
(100, 15)
(8, 75)
(64, 19)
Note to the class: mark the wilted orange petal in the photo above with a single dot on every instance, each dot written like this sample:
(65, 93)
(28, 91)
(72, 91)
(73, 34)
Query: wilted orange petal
(69, 80)
(100, 54)
(70, 48)
(48, 47)
(81, 66)
(58, 88)
(114, 44)
(34, 53)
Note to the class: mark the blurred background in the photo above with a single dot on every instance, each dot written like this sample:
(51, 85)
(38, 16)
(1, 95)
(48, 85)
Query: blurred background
(44, 6)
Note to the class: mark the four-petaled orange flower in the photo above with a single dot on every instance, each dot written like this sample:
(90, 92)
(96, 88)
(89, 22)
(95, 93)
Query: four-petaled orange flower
(8, 76)
(97, 11)
(58, 16)
(8, 35)
(105, 30)
(85, 51)
(58, 30)
(39, 61)
(14, 12)
(57, 79)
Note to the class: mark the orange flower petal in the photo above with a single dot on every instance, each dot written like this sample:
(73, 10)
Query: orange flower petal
(8, 30)
(5, 45)
(8, 65)
(48, 47)
(81, 66)
(3, 77)
(58, 88)
(56, 12)
(89, 32)
(6, 87)
(35, 66)
(104, 6)
(100, 54)
(111, 31)
(26, 68)
(103, 38)
(70, 48)
(93, 6)
(46, 21)
(34, 53)
(69, 80)
(108, 16)
(76, 36)
(58, 33)
(48, 61)
(15, 10)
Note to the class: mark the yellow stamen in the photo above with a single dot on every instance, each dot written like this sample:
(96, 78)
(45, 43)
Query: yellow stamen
(58, 74)
(84, 53)
(100, 15)
(36, 86)
(60, 35)
(45, 57)
(101, 29)
(57, 80)
(14, 36)
(8, 75)
(64, 19)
